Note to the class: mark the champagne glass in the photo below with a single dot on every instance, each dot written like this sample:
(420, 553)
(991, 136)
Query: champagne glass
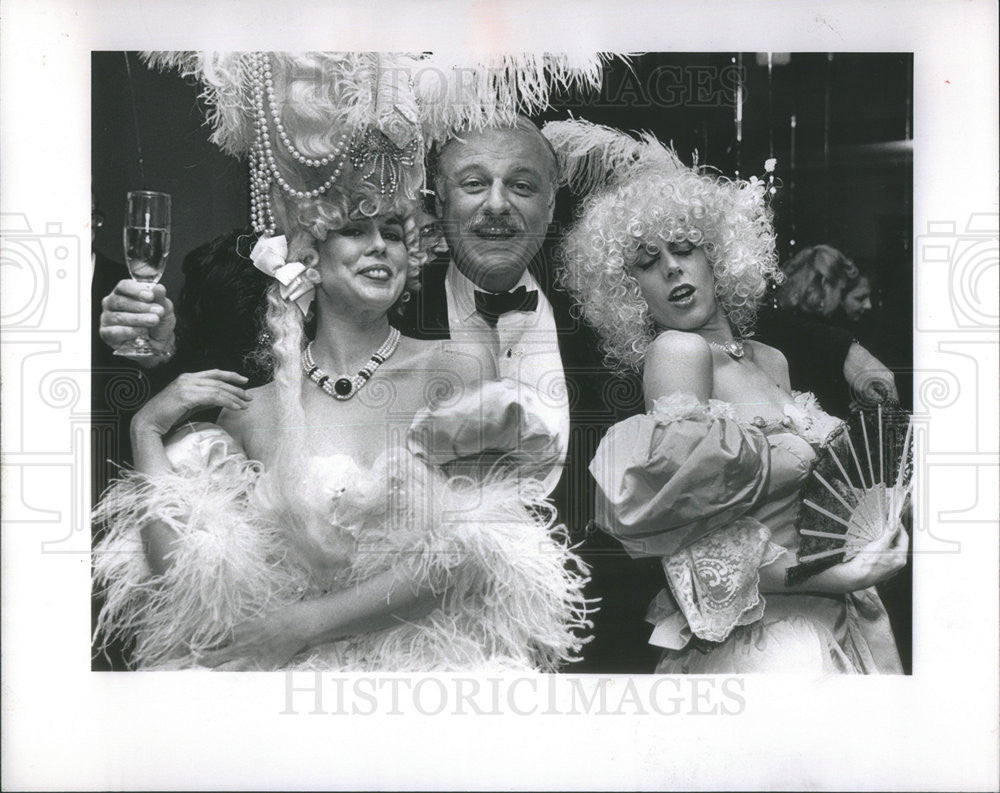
(146, 237)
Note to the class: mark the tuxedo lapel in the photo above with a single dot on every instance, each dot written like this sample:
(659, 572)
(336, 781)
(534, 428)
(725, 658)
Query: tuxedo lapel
(426, 315)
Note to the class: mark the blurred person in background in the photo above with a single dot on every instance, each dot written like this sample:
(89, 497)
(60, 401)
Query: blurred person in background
(806, 325)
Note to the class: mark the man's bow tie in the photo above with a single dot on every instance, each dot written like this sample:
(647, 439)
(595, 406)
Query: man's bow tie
(493, 305)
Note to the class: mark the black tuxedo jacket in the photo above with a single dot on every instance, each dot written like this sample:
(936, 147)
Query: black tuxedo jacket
(597, 398)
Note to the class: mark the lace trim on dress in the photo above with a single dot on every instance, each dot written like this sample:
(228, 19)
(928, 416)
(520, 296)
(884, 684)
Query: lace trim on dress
(715, 583)
(680, 407)
(810, 421)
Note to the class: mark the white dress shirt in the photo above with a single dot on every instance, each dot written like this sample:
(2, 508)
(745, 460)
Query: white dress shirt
(522, 348)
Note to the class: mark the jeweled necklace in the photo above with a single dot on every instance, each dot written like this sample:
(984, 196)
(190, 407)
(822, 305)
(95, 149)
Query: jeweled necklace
(732, 348)
(345, 387)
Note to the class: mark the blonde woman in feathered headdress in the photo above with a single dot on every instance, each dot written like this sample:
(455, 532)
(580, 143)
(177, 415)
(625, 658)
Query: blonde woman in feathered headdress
(369, 509)
(668, 263)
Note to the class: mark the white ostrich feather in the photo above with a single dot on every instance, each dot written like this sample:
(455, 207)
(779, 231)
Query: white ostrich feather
(436, 93)
(593, 156)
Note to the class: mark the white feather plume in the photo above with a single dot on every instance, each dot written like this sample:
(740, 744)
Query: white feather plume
(593, 156)
(456, 90)
(227, 92)
(438, 92)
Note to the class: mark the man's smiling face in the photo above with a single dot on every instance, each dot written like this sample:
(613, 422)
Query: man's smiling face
(496, 191)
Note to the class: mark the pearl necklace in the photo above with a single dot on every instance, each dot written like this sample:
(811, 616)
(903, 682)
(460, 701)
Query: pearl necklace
(733, 348)
(345, 387)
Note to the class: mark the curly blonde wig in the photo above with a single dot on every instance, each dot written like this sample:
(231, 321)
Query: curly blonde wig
(727, 219)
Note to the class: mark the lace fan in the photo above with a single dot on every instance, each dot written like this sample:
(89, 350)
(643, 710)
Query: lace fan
(848, 501)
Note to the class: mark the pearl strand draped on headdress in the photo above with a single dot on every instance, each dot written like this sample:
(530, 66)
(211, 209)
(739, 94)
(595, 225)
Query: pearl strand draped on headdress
(317, 123)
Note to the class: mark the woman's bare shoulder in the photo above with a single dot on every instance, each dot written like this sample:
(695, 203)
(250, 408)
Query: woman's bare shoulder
(770, 359)
(765, 354)
(678, 361)
(238, 422)
(680, 347)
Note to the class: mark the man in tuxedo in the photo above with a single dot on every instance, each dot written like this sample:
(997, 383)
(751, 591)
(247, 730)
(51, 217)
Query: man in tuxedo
(495, 198)
(494, 296)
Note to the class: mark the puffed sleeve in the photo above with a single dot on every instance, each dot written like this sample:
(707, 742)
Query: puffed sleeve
(222, 566)
(498, 423)
(676, 483)
(675, 474)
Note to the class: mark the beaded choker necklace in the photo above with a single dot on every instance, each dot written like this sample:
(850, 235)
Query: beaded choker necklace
(345, 387)
(733, 348)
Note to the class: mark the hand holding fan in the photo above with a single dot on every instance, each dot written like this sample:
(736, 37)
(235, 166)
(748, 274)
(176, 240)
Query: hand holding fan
(847, 503)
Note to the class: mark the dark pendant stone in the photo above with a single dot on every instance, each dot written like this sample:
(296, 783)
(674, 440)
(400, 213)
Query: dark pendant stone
(343, 387)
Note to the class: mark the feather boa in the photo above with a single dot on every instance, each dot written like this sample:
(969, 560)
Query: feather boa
(512, 590)
(225, 566)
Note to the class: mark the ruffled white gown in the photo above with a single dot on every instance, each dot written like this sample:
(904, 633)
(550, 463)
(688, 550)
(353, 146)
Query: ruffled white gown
(717, 499)
(484, 538)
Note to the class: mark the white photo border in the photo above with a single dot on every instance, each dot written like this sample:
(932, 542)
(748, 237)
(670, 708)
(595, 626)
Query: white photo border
(66, 727)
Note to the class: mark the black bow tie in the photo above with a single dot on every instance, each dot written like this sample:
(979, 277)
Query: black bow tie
(493, 305)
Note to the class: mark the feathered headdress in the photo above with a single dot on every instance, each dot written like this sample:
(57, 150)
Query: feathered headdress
(312, 123)
(592, 157)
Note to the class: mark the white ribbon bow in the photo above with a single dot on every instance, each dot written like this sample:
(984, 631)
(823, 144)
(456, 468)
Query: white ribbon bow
(298, 282)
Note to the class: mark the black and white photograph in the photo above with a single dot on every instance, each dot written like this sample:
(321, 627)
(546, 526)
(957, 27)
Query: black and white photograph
(422, 387)
(539, 264)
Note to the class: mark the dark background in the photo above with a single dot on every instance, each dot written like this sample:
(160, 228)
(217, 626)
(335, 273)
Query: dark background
(844, 178)
(846, 183)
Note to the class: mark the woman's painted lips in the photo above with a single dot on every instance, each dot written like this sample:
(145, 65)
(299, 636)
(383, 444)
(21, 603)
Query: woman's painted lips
(681, 294)
(376, 273)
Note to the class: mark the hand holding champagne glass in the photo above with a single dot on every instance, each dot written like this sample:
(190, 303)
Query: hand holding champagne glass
(146, 238)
